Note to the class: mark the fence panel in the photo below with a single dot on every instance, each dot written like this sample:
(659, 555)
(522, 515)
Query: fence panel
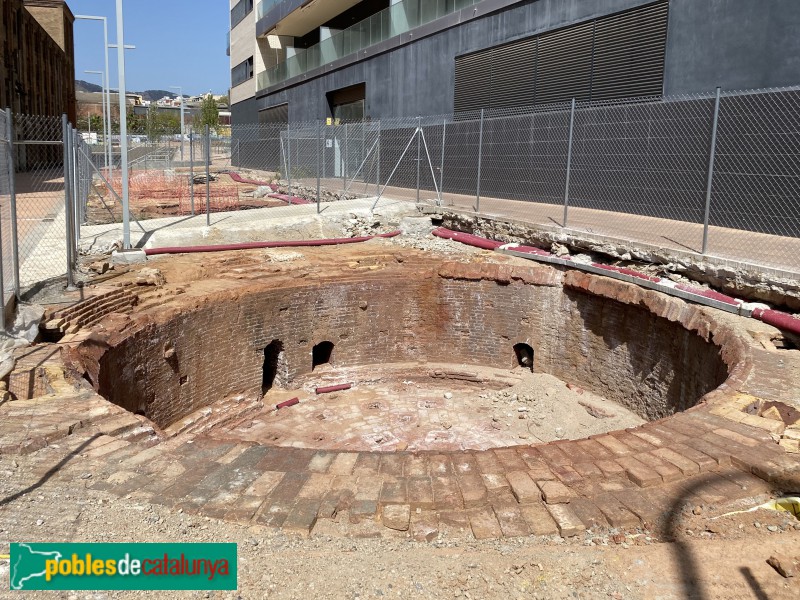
(635, 169)
(6, 235)
(757, 167)
(40, 198)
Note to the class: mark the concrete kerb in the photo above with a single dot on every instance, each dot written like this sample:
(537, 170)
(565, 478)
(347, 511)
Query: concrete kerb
(132, 256)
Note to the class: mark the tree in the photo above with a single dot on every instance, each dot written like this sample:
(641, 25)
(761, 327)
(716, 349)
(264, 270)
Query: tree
(160, 123)
(93, 123)
(208, 114)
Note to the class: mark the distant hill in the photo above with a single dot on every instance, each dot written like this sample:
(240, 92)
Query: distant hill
(152, 95)
(85, 86)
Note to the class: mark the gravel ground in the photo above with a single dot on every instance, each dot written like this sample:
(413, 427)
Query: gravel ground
(274, 565)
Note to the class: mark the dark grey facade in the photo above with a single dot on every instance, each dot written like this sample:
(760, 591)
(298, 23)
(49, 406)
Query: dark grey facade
(734, 44)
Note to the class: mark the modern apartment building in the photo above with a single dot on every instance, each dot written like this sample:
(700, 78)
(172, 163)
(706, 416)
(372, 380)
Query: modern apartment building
(312, 59)
(37, 63)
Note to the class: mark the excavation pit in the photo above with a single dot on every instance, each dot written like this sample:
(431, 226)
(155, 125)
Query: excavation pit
(488, 395)
(444, 355)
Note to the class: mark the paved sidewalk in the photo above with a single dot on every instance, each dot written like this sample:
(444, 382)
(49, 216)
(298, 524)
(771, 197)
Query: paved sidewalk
(734, 247)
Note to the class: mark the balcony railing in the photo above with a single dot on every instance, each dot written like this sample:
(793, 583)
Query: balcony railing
(265, 6)
(386, 24)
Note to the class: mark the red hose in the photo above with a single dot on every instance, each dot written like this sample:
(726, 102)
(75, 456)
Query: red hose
(628, 272)
(467, 238)
(334, 388)
(778, 319)
(531, 250)
(287, 403)
(713, 295)
(254, 245)
(239, 179)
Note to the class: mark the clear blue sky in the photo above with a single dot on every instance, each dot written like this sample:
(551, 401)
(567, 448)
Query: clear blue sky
(178, 42)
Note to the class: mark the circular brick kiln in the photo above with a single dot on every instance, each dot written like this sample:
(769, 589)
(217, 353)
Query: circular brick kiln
(191, 347)
(647, 352)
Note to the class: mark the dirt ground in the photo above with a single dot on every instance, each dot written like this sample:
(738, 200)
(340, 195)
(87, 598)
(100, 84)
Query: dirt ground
(721, 558)
(394, 409)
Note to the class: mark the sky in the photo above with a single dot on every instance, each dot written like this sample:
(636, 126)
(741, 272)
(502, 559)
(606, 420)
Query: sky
(178, 43)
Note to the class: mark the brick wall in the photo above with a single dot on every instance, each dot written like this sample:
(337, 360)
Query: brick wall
(651, 358)
(37, 66)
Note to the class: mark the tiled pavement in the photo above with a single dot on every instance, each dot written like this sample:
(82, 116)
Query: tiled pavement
(627, 479)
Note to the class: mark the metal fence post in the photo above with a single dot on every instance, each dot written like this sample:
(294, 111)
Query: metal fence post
(74, 203)
(289, 160)
(711, 157)
(9, 149)
(319, 166)
(76, 209)
(378, 162)
(12, 193)
(208, 175)
(191, 168)
(419, 147)
(441, 167)
(344, 161)
(480, 160)
(569, 160)
(67, 198)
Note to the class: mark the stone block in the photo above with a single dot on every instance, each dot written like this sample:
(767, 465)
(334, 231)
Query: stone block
(397, 516)
(554, 492)
(134, 256)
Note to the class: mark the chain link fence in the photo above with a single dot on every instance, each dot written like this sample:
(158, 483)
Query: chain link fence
(714, 174)
(40, 217)
(707, 174)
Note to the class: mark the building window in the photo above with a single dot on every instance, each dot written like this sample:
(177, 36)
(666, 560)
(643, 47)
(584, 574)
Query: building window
(242, 72)
(240, 11)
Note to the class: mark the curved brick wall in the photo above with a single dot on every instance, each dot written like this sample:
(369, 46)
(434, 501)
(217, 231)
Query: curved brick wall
(649, 352)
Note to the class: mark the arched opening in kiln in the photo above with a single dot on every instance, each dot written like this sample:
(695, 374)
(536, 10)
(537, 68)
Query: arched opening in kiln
(273, 355)
(523, 354)
(321, 354)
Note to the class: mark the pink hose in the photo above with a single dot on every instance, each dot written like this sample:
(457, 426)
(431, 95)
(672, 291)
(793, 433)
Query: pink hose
(628, 272)
(333, 388)
(712, 294)
(239, 179)
(287, 403)
(255, 245)
(467, 238)
(778, 319)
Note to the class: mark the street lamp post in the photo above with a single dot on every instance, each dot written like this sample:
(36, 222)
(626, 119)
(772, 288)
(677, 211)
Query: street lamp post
(105, 131)
(106, 91)
(180, 91)
(123, 128)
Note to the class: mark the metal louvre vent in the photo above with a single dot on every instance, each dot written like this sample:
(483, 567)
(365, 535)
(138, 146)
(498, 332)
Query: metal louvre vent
(275, 114)
(513, 74)
(473, 81)
(617, 56)
(565, 64)
(629, 53)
